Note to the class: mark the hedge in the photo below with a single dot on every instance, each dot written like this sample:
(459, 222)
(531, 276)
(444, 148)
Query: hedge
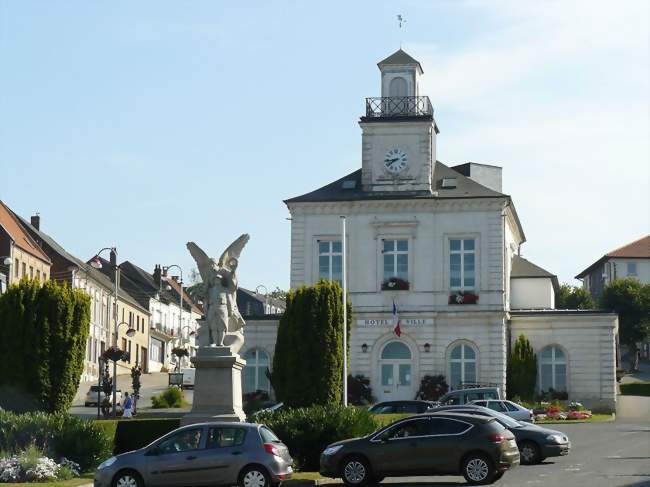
(133, 434)
(635, 389)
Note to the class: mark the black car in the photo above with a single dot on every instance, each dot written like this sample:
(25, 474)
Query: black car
(477, 447)
(535, 442)
(402, 407)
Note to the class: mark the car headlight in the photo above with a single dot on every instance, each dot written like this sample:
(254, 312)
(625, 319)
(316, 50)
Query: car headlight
(555, 438)
(107, 463)
(331, 450)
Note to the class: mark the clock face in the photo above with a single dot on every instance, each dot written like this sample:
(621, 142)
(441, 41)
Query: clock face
(395, 160)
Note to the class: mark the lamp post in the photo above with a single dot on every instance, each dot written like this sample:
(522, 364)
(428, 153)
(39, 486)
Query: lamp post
(345, 313)
(180, 304)
(97, 264)
(266, 296)
(189, 335)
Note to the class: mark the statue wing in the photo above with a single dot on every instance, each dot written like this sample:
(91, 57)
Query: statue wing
(205, 264)
(233, 251)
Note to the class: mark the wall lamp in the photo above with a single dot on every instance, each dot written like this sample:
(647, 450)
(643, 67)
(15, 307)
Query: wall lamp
(364, 348)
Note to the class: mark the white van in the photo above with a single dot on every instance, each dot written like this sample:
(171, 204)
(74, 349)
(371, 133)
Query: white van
(188, 378)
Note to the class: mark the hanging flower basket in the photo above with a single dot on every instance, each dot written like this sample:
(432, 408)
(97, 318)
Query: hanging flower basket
(113, 353)
(463, 298)
(180, 352)
(395, 284)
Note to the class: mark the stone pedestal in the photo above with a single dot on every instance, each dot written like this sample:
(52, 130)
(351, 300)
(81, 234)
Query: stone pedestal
(217, 386)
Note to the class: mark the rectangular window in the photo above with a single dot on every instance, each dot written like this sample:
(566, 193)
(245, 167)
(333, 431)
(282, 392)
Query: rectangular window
(31, 272)
(462, 264)
(38, 274)
(16, 268)
(631, 269)
(124, 344)
(330, 260)
(396, 259)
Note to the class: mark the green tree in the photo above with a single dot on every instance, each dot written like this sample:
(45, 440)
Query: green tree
(631, 300)
(522, 370)
(43, 334)
(308, 359)
(573, 297)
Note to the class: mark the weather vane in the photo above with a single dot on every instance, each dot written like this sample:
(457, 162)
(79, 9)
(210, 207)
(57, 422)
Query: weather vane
(400, 21)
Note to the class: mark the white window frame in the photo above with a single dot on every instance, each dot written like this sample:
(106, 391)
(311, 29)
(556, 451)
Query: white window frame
(257, 366)
(462, 360)
(462, 253)
(395, 253)
(330, 254)
(553, 362)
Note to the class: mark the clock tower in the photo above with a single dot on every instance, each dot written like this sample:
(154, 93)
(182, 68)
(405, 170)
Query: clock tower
(398, 131)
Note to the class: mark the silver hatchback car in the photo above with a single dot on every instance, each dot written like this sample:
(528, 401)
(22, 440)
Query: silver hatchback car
(244, 454)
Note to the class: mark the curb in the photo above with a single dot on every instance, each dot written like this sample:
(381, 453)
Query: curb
(309, 483)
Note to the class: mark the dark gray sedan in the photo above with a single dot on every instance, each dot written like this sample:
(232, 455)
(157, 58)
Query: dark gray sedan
(535, 442)
(248, 455)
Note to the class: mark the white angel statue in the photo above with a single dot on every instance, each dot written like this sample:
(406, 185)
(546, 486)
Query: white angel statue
(222, 317)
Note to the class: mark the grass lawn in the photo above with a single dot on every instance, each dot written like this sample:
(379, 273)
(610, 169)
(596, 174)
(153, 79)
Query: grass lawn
(635, 389)
(86, 478)
(595, 418)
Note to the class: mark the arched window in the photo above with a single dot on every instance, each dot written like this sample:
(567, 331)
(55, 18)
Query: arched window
(396, 351)
(462, 365)
(552, 369)
(255, 379)
(397, 87)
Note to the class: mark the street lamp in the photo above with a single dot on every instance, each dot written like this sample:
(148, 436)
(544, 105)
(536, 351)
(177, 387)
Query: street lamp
(266, 295)
(96, 262)
(189, 335)
(180, 294)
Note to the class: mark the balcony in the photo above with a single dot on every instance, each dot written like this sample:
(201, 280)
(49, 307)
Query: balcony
(398, 106)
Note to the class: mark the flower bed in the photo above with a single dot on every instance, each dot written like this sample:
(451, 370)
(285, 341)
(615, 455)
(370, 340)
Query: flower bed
(32, 465)
(556, 412)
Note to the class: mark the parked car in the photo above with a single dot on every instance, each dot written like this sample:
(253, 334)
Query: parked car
(188, 378)
(509, 408)
(244, 454)
(464, 396)
(535, 442)
(477, 447)
(401, 407)
(91, 396)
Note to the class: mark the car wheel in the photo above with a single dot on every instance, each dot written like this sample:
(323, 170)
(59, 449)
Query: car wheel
(356, 472)
(478, 469)
(127, 478)
(530, 454)
(254, 477)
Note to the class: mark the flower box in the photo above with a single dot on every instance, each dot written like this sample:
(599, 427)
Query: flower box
(463, 298)
(395, 284)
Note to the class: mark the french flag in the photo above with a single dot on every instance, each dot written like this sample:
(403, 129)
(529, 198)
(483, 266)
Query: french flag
(397, 330)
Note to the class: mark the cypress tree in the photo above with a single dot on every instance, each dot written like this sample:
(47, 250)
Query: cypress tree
(522, 370)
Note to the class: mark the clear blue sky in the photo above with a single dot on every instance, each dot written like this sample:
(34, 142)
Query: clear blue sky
(148, 124)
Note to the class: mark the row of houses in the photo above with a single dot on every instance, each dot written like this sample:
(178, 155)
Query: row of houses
(153, 307)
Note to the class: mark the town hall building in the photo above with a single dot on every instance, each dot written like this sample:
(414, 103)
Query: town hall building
(442, 243)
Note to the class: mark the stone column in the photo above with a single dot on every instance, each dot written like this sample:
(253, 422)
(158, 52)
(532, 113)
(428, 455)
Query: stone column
(217, 386)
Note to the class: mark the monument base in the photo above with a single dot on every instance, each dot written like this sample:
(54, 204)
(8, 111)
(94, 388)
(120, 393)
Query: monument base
(217, 386)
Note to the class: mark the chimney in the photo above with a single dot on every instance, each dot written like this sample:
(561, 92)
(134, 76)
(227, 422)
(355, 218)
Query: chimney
(36, 221)
(157, 273)
(113, 258)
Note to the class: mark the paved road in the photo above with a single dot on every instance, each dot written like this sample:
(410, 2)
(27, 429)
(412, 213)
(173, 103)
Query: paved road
(603, 455)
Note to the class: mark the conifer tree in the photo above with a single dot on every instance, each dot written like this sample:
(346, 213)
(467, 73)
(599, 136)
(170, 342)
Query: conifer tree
(522, 370)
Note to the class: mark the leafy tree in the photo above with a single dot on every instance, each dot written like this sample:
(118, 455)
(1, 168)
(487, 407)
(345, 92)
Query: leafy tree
(631, 300)
(522, 370)
(573, 297)
(278, 293)
(308, 360)
(43, 334)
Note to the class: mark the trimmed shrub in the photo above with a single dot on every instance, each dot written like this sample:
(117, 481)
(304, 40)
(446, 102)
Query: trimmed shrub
(635, 389)
(58, 435)
(432, 388)
(172, 397)
(136, 433)
(308, 431)
(359, 390)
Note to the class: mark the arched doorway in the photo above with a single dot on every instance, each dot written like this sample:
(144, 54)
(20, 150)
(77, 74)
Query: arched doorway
(395, 372)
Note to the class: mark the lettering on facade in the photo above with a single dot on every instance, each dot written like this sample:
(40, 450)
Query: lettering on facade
(389, 322)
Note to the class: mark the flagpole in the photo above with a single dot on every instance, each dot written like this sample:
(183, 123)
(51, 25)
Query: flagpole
(345, 315)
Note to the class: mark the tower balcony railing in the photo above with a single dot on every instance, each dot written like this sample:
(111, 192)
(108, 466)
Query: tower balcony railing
(398, 106)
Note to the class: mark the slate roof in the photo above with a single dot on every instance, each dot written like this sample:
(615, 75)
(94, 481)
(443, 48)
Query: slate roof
(525, 269)
(278, 303)
(638, 249)
(21, 238)
(337, 191)
(400, 57)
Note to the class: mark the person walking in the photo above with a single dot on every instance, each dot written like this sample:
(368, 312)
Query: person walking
(128, 406)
